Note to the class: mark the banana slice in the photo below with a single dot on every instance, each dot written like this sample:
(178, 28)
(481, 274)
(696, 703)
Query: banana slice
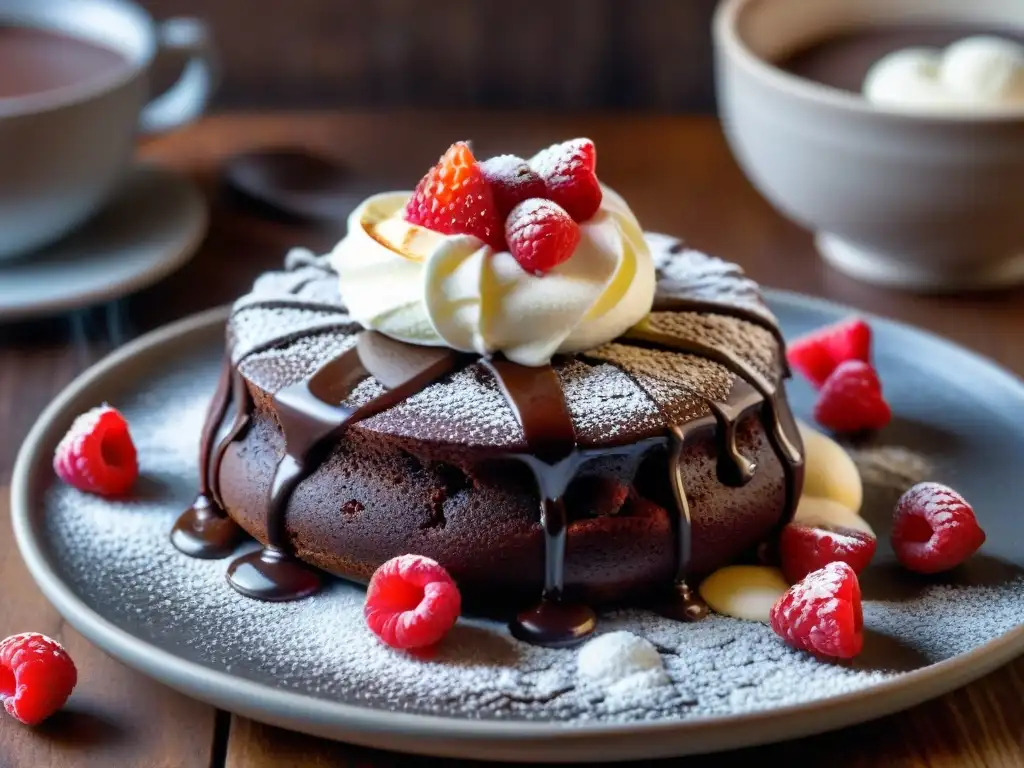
(826, 513)
(829, 471)
(744, 591)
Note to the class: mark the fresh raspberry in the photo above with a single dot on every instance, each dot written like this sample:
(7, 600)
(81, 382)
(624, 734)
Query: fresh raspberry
(569, 171)
(540, 235)
(818, 354)
(36, 677)
(934, 529)
(805, 548)
(97, 454)
(512, 180)
(822, 613)
(454, 199)
(411, 602)
(851, 399)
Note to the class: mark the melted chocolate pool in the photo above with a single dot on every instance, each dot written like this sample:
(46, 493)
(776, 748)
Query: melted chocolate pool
(842, 60)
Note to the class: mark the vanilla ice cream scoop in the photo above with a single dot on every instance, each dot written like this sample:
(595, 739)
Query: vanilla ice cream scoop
(978, 72)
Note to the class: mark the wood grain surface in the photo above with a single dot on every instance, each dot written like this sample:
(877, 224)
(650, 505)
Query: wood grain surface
(679, 177)
(568, 54)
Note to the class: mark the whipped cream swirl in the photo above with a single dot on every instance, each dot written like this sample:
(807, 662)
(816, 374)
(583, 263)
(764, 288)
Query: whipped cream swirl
(423, 287)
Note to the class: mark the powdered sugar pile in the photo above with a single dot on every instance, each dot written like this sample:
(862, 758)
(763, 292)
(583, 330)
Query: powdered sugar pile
(120, 560)
(890, 467)
(621, 663)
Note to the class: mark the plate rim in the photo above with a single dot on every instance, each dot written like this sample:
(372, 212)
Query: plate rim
(458, 737)
(185, 248)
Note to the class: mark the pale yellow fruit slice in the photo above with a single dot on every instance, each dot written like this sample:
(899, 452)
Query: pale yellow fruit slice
(744, 591)
(829, 471)
(826, 513)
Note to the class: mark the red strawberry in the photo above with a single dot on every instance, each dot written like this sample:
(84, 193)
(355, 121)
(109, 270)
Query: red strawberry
(851, 399)
(36, 677)
(512, 180)
(411, 602)
(97, 454)
(804, 548)
(569, 173)
(454, 199)
(818, 354)
(540, 235)
(822, 613)
(934, 529)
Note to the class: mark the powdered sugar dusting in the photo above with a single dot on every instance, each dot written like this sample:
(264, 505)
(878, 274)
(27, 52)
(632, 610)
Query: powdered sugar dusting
(297, 309)
(621, 663)
(678, 383)
(511, 174)
(558, 163)
(118, 557)
(813, 612)
(604, 402)
(750, 343)
(684, 273)
(892, 467)
(255, 327)
(278, 368)
(440, 409)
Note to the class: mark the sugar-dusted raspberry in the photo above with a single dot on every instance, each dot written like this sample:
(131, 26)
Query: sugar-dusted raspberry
(851, 400)
(36, 677)
(540, 235)
(819, 353)
(455, 199)
(511, 180)
(822, 613)
(97, 454)
(934, 529)
(569, 171)
(411, 602)
(806, 548)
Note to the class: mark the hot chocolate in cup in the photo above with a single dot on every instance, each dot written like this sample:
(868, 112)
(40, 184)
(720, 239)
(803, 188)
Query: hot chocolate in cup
(73, 91)
(918, 187)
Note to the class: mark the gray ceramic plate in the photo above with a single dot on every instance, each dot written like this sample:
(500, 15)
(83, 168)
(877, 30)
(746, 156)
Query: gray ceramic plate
(151, 228)
(312, 666)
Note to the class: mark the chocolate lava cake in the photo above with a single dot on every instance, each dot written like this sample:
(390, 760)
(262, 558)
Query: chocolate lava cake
(606, 477)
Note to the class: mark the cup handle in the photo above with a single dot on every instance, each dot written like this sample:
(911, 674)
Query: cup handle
(187, 99)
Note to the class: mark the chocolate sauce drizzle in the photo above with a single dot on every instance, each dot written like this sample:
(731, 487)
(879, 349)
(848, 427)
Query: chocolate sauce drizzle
(313, 416)
(777, 418)
(204, 530)
(732, 469)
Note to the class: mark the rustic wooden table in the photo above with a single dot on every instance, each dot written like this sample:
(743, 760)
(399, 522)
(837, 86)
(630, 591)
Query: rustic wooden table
(679, 177)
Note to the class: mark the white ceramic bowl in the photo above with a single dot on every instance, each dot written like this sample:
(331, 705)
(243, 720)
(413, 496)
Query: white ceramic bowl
(923, 201)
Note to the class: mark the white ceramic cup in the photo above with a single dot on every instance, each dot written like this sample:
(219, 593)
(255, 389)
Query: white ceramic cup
(64, 152)
(928, 202)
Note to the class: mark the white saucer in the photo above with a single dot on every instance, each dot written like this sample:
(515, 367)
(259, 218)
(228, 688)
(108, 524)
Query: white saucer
(152, 227)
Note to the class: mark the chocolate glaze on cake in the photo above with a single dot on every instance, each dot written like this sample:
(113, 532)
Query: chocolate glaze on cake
(346, 448)
(204, 531)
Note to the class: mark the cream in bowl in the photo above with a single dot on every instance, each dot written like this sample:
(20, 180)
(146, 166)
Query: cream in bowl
(895, 131)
